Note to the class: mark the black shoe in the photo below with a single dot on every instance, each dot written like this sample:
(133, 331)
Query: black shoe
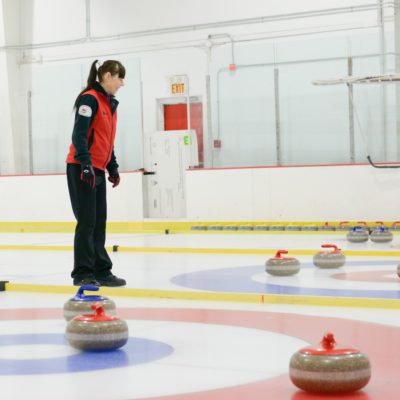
(86, 281)
(111, 280)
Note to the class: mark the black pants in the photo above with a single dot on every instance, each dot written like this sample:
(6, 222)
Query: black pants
(90, 208)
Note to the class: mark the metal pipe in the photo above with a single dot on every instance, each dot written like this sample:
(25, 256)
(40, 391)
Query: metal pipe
(189, 125)
(273, 64)
(88, 22)
(383, 90)
(142, 116)
(277, 118)
(188, 44)
(197, 27)
(209, 123)
(30, 137)
(397, 66)
(351, 112)
(222, 35)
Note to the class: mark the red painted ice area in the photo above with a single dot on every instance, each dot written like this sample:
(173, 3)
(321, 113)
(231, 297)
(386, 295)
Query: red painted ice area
(379, 342)
(368, 276)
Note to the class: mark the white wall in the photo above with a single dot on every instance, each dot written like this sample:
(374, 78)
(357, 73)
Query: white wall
(121, 16)
(332, 193)
(155, 14)
(192, 62)
(49, 21)
(6, 139)
(45, 198)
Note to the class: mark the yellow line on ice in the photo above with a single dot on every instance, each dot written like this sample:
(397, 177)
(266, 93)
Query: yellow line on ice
(213, 296)
(209, 250)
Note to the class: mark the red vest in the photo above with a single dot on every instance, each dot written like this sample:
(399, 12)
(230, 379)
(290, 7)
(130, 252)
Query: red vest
(103, 129)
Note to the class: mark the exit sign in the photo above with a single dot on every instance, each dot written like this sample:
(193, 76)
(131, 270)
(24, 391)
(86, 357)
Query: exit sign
(178, 88)
(178, 85)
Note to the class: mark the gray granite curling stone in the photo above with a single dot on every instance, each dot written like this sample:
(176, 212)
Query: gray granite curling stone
(229, 227)
(282, 266)
(277, 227)
(82, 303)
(245, 227)
(261, 227)
(293, 228)
(398, 270)
(329, 369)
(97, 331)
(329, 259)
(381, 235)
(309, 228)
(357, 234)
(198, 228)
(326, 227)
(343, 226)
(395, 226)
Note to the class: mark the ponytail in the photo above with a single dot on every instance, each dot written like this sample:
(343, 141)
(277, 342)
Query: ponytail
(90, 82)
(112, 66)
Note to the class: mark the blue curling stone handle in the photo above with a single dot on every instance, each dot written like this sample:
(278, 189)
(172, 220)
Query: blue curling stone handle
(81, 296)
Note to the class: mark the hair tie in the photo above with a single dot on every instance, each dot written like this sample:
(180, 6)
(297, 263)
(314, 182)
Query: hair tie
(99, 63)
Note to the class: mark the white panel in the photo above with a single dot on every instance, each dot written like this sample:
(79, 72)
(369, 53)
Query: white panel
(219, 194)
(129, 139)
(157, 66)
(293, 194)
(314, 121)
(52, 20)
(169, 153)
(282, 194)
(52, 114)
(125, 202)
(10, 12)
(155, 14)
(46, 198)
(52, 121)
(6, 140)
(314, 125)
(246, 117)
(2, 26)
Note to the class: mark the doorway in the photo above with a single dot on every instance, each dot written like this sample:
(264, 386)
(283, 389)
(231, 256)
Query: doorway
(173, 117)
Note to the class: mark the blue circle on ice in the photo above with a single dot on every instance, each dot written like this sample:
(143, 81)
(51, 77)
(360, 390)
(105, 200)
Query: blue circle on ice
(239, 280)
(136, 351)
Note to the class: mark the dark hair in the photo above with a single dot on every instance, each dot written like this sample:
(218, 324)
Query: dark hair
(112, 66)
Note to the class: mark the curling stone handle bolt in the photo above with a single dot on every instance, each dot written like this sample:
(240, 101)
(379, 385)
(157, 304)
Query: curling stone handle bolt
(328, 341)
(99, 309)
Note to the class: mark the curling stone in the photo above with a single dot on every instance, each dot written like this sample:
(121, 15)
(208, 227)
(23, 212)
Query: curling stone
(329, 259)
(381, 235)
(357, 234)
(282, 266)
(97, 331)
(398, 270)
(81, 303)
(343, 226)
(326, 227)
(377, 225)
(329, 369)
(396, 226)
